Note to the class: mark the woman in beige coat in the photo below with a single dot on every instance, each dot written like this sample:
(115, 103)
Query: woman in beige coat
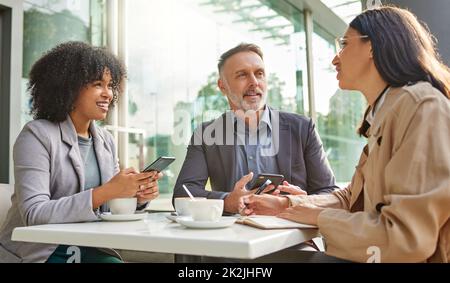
(396, 209)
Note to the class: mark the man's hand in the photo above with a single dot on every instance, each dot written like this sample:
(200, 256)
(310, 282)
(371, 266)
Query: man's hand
(264, 204)
(306, 213)
(233, 202)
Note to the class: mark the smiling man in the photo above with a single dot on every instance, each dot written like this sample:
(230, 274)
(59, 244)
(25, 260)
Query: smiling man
(251, 139)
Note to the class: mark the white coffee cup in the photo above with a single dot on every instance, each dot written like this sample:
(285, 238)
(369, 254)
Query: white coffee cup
(181, 205)
(206, 209)
(123, 205)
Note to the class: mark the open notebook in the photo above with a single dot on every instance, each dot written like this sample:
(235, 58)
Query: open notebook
(270, 222)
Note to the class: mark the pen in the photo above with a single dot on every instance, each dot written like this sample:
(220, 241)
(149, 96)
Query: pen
(258, 191)
(242, 209)
(263, 186)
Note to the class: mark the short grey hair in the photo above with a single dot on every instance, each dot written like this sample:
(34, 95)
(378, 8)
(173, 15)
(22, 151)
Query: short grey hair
(242, 47)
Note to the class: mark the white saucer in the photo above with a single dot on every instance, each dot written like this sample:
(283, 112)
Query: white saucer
(107, 216)
(172, 218)
(222, 223)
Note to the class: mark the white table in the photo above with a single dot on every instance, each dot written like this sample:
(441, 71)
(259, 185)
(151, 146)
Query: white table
(158, 234)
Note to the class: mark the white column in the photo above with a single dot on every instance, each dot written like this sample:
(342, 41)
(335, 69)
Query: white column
(123, 100)
(112, 28)
(309, 24)
(116, 42)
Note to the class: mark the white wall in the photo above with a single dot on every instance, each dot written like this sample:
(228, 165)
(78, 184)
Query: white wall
(436, 14)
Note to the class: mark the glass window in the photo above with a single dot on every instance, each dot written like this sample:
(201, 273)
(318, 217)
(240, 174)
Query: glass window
(346, 9)
(339, 112)
(48, 23)
(173, 47)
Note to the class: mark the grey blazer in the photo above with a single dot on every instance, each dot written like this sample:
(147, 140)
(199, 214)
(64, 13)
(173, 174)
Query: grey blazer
(49, 183)
(301, 158)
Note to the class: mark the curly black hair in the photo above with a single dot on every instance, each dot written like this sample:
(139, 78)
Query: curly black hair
(57, 78)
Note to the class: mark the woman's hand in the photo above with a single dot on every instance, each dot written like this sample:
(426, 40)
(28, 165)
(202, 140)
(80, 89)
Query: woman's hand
(265, 204)
(124, 184)
(149, 191)
(128, 182)
(289, 188)
(306, 213)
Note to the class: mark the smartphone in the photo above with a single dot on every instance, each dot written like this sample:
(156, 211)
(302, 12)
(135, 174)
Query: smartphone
(159, 164)
(263, 187)
(275, 180)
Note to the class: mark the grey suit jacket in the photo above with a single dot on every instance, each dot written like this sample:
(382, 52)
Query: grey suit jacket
(301, 158)
(49, 188)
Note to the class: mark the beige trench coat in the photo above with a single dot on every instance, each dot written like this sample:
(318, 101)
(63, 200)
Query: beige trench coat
(397, 206)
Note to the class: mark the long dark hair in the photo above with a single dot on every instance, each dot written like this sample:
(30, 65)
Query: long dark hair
(404, 50)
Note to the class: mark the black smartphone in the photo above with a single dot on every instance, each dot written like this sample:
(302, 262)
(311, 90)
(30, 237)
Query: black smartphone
(159, 164)
(275, 179)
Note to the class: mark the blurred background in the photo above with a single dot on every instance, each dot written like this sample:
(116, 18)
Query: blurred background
(171, 49)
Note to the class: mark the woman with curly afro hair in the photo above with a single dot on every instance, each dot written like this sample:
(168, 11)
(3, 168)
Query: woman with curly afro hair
(64, 164)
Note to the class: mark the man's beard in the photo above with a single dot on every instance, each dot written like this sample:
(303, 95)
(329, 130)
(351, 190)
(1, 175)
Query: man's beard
(244, 105)
(251, 106)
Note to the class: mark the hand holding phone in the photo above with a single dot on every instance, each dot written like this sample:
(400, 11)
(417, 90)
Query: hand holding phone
(275, 179)
(159, 164)
(261, 189)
